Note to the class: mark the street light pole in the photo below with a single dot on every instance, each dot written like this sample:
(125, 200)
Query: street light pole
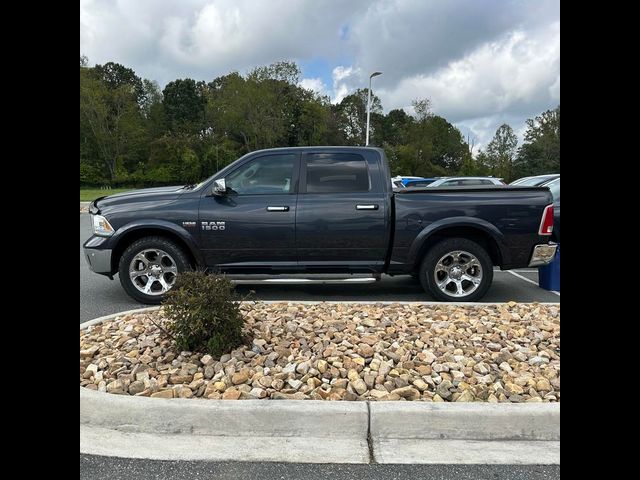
(374, 74)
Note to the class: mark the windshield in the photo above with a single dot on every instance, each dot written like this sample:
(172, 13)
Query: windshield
(530, 182)
(526, 181)
(208, 179)
(201, 184)
(555, 189)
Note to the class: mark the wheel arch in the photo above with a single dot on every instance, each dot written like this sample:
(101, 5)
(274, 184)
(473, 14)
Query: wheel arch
(178, 235)
(476, 230)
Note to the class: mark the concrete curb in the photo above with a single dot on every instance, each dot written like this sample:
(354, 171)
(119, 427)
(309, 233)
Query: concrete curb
(408, 432)
(242, 418)
(316, 431)
(465, 421)
(218, 430)
(111, 316)
(105, 318)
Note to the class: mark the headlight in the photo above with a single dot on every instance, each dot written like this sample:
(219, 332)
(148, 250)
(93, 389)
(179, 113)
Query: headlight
(101, 226)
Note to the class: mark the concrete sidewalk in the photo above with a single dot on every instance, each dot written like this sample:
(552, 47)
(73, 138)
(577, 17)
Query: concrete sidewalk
(318, 431)
(312, 431)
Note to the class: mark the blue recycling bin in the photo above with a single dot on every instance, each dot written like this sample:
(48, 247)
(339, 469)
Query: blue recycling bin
(549, 275)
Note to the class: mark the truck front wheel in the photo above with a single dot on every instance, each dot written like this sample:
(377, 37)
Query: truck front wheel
(148, 268)
(456, 270)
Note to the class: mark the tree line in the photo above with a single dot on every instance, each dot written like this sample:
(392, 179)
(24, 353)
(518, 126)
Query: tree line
(134, 134)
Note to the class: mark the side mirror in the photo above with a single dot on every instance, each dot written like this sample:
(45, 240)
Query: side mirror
(219, 187)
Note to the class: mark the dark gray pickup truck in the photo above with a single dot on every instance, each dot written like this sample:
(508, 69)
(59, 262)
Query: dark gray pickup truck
(319, 210)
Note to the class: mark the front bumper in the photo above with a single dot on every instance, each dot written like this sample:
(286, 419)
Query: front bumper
(99, 260)
(543, 254)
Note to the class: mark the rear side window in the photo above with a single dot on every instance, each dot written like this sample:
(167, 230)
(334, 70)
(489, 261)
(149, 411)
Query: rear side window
(336, 172)
(450, 183)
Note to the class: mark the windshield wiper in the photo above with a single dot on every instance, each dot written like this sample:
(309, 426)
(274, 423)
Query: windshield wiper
(190, 186)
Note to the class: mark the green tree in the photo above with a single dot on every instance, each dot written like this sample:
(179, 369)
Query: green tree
(173, 159)
(422, 144)
(474, 167)
(501, 152)
(352, 116)
(184, 103)
(111, 123)
(422, 109)
(286, 72)
(540, 152)
(449, 146)
(118, 77)
(395, 127)
(133, 133)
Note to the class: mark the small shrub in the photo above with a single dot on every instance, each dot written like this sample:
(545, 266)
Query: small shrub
(204, 314)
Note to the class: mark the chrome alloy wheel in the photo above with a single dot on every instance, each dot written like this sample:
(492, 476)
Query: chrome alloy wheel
(458, 273)
(153, 271)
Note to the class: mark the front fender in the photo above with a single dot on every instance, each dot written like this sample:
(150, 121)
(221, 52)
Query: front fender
(440, 225)
(159, 225)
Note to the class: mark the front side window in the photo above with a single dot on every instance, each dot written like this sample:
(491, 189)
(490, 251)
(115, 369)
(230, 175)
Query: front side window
(270, 174)
(336, 172)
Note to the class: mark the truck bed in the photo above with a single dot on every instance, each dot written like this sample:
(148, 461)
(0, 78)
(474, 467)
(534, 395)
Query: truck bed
(510, 215)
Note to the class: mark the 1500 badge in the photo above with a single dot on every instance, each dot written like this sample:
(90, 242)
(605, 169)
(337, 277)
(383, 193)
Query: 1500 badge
(213, 225)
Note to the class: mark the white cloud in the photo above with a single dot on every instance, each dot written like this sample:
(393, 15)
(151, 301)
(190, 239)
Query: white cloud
(314, 84)
(519, 71)
(481, 63)
(165, 39)
(345, 81)
(506, 80)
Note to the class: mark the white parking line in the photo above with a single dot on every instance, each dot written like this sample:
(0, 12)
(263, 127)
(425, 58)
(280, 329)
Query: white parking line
(528, 280)
(521, 277)
(527, 270)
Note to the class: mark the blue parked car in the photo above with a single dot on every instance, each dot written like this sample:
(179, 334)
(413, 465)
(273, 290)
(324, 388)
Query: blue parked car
(401, 182)
(423, 182)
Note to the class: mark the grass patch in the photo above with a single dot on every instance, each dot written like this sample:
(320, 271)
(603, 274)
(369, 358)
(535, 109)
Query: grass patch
(90, 194)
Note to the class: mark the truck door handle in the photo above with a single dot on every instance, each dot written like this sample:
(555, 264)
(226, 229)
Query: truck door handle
(367, 207)
(278, 209)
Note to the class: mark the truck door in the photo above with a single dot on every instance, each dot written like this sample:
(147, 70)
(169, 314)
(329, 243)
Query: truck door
(342, 213)
(253, 225)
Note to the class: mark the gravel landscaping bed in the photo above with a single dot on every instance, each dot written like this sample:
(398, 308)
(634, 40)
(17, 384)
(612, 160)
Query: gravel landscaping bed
(493, 353)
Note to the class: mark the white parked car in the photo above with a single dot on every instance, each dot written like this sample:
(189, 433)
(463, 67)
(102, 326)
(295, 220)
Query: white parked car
(466, 182)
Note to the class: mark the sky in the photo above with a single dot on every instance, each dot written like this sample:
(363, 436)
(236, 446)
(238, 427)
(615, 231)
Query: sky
(481, 63)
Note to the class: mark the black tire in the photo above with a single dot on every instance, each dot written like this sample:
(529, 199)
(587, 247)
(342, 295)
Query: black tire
(177, 255)
(428, 269)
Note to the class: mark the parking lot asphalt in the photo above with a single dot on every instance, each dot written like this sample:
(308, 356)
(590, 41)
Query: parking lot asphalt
(96, 467)
(100, 296)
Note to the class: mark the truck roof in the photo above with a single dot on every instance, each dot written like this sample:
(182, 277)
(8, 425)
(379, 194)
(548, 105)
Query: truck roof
(319, 147)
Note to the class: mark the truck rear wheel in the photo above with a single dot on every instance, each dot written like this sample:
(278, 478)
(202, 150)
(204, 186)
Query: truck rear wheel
(148, 268)
(456, 270)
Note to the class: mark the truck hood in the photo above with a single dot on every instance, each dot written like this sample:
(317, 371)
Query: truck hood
(123, 200)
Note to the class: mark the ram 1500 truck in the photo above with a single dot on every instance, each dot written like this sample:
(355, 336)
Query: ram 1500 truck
(319, 210)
